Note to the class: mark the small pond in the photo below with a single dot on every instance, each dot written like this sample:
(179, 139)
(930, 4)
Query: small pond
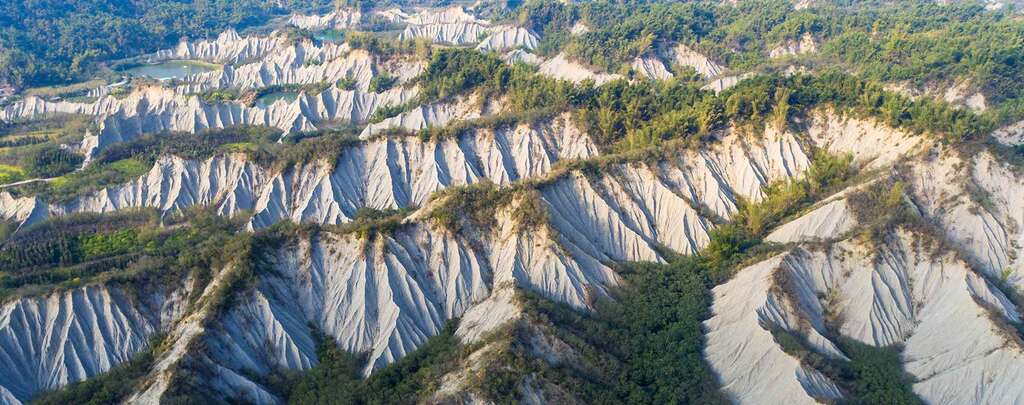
(175, 69)
(268, 100)
(330, 36)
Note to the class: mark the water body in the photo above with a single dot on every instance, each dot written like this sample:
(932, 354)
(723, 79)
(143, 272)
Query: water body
(330, 36)
(271, 98)
(175, 69)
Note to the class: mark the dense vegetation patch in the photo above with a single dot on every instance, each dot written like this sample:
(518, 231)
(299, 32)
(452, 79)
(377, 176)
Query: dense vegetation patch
(57, 41)
(476, 206)
(51, 161)
(872, 375)
(127, 247)
(921, 42)
(338, 377)
(624, 115)
(652, 333)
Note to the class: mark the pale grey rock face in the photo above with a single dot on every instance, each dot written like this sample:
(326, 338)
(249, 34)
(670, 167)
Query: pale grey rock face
(651, 68)
(400, 172)
(503, 38)
(23, 210)
(980, 206)
(903, 291)
(159, 110)
(457, 33)
(829, 220)
(520, 55)
(790, 47)
(682, 55)
(560, 67)
(393, 15)
(722, 83)
(632, 209)
(457, 27)
(33, 107)
(385, 296)
(52, 340)
(435, 115)
(450, 15)
(301, 63)
(259, 62)
(871, 144)
(388, 294)
(335, 20)
(743, 353)
(382, 173)
(965, 95)
(655, 65)
(229, 47)
(445, 276)
(1011, 135)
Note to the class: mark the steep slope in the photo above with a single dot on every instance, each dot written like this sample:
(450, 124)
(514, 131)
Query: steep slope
(682, 55)
(456, 271)
(979, 203)
(792, 47)
(301, 63)
(157, 109)
(229, 47)
(382, 173)
(22, 211)
(651, 68)
(331, 193)
(386, 292)
(1010, 135)
(504, 38)
(51, 340)
(903, 291)
(457, 33)
(335, 20)
(448, 15)
(560, 67)
(434, 115)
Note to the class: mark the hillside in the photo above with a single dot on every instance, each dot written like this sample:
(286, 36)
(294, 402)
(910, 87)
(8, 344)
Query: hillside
(592, 202)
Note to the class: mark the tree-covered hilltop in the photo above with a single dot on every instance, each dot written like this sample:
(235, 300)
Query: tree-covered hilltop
(628, 115)
(918, 43)
(46, 42)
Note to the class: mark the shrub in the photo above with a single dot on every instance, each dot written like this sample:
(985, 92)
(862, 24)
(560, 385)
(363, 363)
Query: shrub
(51, 161)
(336, 379)
(382, 82)
(347, 83)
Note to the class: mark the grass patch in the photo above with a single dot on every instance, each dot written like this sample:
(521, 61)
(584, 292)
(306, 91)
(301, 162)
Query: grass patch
(11, 174)
(54, 91)
(94, 177)
(129, 248)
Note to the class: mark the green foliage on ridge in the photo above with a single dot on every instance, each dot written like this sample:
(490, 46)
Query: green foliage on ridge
(338, 378)
(624, 115)
(127, 247)
(57, 41)
(920, 42)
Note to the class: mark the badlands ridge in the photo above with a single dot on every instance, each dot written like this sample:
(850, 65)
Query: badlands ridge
(943, 293)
